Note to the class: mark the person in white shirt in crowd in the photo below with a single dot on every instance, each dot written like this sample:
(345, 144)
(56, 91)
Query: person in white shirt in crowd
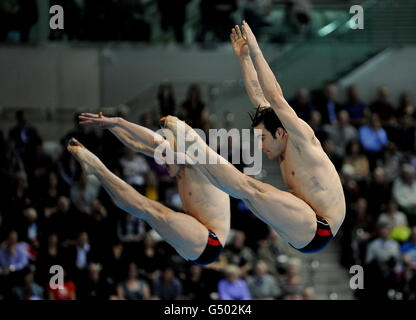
(134, 168)
(262, 285)
(404, 190)
(382, 249)
(13, 257)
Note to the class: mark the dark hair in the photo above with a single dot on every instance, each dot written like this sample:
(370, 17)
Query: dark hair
(167, 107)
(348, 148)
(268, 117)
(194, 87)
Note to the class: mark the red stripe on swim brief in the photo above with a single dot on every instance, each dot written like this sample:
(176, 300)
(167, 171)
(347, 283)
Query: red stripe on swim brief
(213, 242)
(323, 232)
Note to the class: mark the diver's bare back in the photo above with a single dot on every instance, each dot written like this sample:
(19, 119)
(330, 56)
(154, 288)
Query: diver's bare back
(310, 175)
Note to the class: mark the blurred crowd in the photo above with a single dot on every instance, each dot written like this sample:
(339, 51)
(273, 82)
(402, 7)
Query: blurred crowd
(51, 214)
(133, 20)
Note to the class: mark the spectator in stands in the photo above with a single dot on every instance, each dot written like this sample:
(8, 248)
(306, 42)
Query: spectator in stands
(270, 250)
(357, 159)
(103, 227)
(65, 222)
(29, 231)
(406, 106)
(37, 169)
(377, 191)
(404, 191)
(67, 293)
(25, 136)
(262, 285)
(68, 171)
(407, 284)
(13, 257)
(167, 286)
(133, 288)
(11, 162)
(134, 169)
(316, 124)
(359, 227)
(302, 105)
(363, 219)
(29, 289)
(131, 231)
(50, 254)
(383, 254)
(78, 256)
(373, 138)
(193, 110)
(383, 248)
(18, 198)
(341, 132)
(405, 133)
(51, 194)
(393, 217)
(149, 257)
(115, 264)
(408, 249)
(94, 287)
(239, 254)
(382, 106)
(351, 187)
(354, 106)
(84, 192)
(391, 162)
(166, 102)
(290, 282)
(151, 189)
(267, 252)
(328, 106)
(233, 287)
(196, 285)
(147, 120)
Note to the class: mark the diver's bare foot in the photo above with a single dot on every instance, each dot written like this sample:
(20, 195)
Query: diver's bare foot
(88, 161)
(185, 135)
